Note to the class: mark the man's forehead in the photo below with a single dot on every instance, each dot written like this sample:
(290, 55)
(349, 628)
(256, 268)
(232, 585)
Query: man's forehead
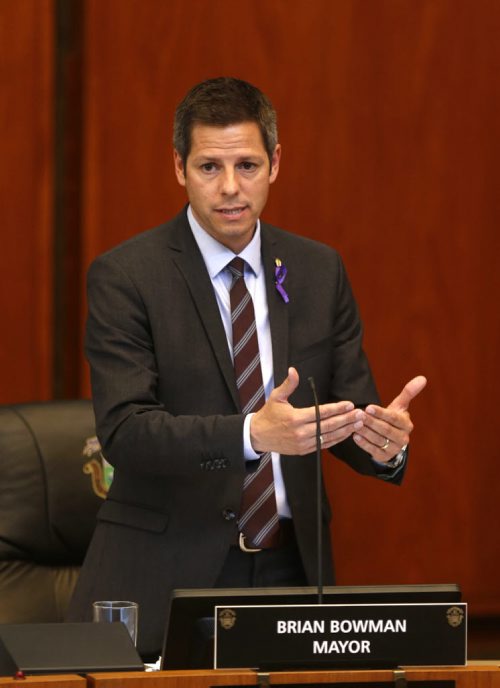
(242, 136)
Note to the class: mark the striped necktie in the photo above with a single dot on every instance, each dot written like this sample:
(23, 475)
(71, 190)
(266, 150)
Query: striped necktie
(258, 516)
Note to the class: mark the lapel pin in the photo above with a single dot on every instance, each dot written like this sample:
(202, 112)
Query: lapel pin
(280, 274)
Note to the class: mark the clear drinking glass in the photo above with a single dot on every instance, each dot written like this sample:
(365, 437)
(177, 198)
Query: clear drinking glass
(124, 611)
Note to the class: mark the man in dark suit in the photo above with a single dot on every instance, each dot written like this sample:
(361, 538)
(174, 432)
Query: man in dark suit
(193, 432)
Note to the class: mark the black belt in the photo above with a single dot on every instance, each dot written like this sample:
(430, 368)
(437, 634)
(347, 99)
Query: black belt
(286, 537)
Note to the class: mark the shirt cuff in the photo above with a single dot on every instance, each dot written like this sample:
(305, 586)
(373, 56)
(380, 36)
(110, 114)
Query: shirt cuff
(248, 451)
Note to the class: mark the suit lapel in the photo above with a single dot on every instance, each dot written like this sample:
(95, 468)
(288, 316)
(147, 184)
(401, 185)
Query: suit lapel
(278, 309)
(189, 260)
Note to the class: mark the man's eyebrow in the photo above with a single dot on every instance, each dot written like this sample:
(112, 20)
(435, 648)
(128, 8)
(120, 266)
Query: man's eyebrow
(202, 157)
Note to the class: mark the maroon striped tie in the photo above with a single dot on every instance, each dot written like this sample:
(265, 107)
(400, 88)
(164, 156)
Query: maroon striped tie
(258, 517)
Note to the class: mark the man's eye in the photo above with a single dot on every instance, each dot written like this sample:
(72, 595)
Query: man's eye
(208, 167)
(247, 166)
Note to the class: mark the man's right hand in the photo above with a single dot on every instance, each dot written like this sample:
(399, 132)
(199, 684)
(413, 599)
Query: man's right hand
(280, 427)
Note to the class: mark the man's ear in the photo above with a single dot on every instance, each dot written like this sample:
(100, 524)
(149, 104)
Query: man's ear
(275, 163)
(179, 168)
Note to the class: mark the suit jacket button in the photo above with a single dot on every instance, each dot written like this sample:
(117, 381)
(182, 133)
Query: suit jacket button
(228, 514)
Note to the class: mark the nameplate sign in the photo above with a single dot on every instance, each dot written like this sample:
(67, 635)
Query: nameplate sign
(365, 636)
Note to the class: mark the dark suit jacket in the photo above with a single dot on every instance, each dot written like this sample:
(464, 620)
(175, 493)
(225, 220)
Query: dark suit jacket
(168, 415)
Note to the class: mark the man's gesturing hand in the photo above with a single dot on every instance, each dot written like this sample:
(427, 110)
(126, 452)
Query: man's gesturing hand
(382, 432)
(280, 427)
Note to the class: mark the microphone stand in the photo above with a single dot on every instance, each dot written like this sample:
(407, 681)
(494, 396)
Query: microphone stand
(319, 493)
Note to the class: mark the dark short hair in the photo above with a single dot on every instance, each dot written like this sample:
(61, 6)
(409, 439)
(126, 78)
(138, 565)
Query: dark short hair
(221, 102)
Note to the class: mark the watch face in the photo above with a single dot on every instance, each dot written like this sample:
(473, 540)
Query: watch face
(398, 459)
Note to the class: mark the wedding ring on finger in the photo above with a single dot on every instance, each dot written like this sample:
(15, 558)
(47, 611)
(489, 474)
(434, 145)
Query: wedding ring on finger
(321, 440)
(386, 444)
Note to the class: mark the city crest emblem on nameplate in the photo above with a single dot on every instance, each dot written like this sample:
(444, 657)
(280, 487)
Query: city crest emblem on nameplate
(227, 618)
(455, 616)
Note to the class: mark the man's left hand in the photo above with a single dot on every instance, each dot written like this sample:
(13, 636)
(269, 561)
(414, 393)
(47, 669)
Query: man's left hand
(383, 432)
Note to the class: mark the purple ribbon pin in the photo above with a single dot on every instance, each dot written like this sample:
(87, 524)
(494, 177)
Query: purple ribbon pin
(280, 274)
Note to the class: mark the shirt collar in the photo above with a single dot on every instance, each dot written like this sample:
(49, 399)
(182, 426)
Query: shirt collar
(217, 256)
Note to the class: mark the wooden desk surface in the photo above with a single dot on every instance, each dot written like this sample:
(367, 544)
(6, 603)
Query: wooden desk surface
(472, 676)
(52, 681)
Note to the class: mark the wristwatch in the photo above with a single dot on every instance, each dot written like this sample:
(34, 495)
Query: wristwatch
(398, 459)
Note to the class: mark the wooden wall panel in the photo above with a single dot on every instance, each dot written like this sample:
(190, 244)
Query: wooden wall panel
(389, 118)
(26, 187)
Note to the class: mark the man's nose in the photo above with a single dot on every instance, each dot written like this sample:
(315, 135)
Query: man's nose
(229, 182)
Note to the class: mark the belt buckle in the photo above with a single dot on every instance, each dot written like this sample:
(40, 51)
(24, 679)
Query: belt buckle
(244, 548)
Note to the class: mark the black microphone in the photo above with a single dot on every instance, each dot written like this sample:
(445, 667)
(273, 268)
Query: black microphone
(319, 493)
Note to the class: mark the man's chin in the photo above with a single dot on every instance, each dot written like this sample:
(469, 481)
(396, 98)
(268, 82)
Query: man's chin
(233, 235)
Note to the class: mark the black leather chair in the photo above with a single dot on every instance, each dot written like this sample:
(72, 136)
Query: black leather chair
(50, 492)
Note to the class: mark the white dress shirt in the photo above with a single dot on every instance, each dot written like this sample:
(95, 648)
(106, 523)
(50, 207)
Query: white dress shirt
(217, 257)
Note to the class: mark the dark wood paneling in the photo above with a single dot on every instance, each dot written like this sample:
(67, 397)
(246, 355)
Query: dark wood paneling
(389, 118)
(26, 188)
(68, 211)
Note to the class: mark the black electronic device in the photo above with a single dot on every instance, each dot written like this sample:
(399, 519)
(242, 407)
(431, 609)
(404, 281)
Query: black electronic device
(55, 648)
(189, 635)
